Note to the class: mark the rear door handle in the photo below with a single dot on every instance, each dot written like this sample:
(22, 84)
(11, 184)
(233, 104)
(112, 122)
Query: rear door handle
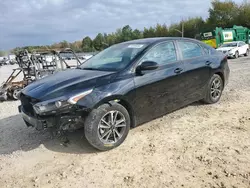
(178, 70)
(208, 62)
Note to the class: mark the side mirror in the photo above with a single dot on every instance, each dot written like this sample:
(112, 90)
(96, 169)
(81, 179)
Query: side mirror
(147, 65)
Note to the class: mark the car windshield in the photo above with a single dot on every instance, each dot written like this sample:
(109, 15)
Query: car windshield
(233, 44)
(115, 57)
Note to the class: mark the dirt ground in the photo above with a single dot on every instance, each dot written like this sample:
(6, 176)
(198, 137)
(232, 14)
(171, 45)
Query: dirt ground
(197, 146)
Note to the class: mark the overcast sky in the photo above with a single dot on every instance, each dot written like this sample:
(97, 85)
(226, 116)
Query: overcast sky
(42, 22)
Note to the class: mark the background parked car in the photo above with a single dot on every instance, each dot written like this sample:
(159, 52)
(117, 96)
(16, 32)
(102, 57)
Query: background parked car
(234, 49)
(5, 61)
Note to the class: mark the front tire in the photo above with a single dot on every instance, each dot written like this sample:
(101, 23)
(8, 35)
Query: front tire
(214, 90)
(236, 55)
(107, 126)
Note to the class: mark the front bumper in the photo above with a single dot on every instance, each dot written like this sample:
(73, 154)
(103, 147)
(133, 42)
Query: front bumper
(230, 55)
(32, 121)
(66, 122)
(227, 53)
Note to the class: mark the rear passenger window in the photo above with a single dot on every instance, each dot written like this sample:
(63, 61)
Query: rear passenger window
(162, 54)
(190, 49)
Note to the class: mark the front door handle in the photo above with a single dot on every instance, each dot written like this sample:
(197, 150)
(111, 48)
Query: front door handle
(178, 70)
(208, 62)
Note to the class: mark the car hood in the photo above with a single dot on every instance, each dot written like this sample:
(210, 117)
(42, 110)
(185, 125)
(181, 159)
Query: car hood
(225, 48)
(65, 83)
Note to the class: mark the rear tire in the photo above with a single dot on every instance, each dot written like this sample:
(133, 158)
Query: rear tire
(247, 53)
(214, 90)
(99, 123)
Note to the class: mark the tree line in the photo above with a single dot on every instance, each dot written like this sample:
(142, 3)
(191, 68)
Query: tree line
(221, 14)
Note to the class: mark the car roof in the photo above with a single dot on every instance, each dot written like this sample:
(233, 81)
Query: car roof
(158, 39)
(232, 42)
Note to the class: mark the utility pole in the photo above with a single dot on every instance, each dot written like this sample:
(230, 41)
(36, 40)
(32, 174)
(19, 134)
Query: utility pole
(182, 29)
(105, 44)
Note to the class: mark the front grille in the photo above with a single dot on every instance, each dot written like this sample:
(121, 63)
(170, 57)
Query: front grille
(27, 104)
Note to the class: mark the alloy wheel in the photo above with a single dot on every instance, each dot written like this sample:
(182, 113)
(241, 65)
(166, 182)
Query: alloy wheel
(111, 127)
(216, 89)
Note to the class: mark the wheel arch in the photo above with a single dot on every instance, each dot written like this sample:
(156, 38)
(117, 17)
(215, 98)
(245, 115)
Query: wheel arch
(122, 101)
(222, 77)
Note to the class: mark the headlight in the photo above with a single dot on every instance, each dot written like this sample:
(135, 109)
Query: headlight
(75, 98)
(53, 105)
(232, 50)
(50, 106)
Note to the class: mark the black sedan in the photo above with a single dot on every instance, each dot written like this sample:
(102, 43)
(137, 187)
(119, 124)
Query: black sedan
(124, 86)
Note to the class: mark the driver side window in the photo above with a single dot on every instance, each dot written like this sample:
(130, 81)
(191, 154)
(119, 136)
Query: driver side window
(162, 54)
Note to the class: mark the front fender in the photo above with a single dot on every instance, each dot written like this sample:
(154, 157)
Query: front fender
(118, 90)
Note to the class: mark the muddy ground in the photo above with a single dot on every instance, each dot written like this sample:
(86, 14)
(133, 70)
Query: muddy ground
(197, 146)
